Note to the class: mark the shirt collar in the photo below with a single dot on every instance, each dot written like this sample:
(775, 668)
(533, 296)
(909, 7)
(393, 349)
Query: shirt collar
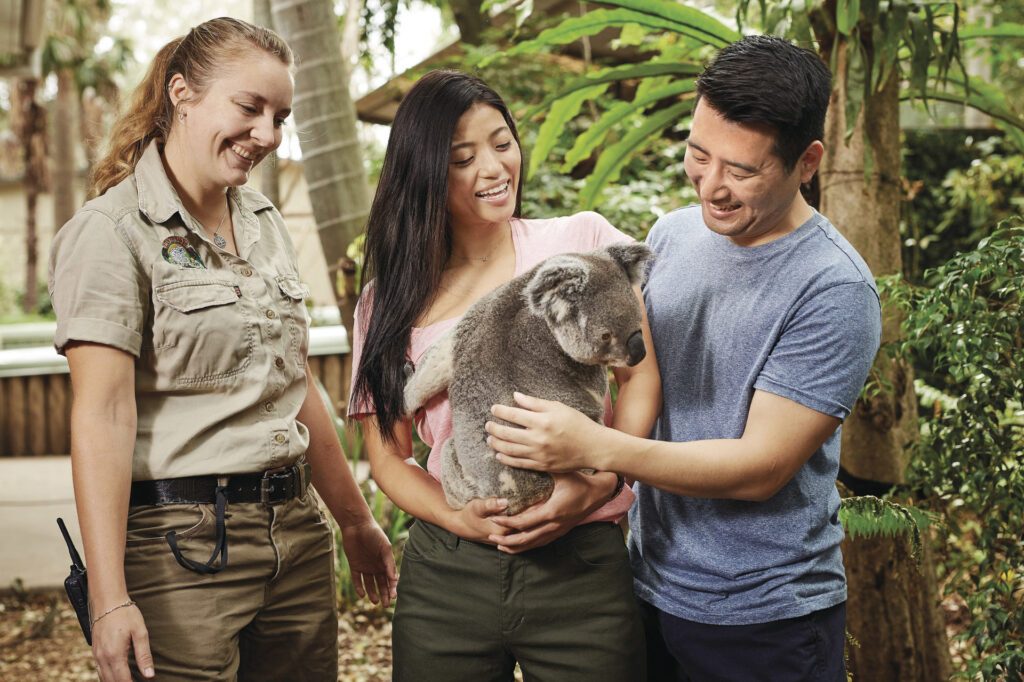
(158, 200)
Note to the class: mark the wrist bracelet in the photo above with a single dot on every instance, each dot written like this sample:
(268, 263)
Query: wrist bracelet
(620, 483)
(111, 610)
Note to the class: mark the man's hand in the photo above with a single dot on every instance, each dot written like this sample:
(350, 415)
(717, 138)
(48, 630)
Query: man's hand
(553, 437)
(574, 498)
(112, 637)
(373, 566)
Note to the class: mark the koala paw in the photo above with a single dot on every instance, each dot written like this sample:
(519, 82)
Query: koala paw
(408, 369)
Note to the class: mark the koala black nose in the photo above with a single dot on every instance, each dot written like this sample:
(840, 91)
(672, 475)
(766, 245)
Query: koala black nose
(635, 346)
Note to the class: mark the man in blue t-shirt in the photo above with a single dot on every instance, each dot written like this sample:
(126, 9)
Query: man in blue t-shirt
(766, 322)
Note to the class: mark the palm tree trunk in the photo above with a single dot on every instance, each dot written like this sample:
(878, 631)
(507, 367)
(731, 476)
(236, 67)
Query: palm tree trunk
(30, 126)
(270, 178)
(332, 159)
(64, 163)
(893, 605)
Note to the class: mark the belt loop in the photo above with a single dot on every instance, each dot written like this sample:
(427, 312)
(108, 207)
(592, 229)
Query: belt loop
(219, 547)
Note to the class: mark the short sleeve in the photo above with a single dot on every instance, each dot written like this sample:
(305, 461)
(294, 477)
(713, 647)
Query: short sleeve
(363, 408)
(98, 291)
(826, 349)
(600, 230)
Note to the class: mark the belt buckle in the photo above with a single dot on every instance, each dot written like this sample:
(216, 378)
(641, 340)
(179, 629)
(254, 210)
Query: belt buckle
(277, 485)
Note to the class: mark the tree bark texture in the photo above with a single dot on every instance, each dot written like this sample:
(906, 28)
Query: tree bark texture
(270, 183)
(893, 606)
(64, 162)
(29, 122)
(332, 159)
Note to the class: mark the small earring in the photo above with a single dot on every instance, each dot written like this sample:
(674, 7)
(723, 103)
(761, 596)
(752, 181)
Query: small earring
(181, 116)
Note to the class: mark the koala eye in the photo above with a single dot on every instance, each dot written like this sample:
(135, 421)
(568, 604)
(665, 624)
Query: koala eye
(606, 337)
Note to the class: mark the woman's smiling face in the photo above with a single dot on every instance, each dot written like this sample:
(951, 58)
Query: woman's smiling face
(237, 122)
(483, 169)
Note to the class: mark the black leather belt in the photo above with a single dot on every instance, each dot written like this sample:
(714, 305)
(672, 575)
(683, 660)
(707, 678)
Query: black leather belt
(269, 487)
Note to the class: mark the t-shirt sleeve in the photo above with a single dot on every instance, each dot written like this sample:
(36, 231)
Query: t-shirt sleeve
(96, 284)
(824, 353)
(599, 230)
(359, 408)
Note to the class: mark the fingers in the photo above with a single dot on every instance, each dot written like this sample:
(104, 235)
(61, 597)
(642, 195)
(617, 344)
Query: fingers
(531, 403)
(484, 508)
(515, 415)
(520, 462)
(522, 542)
(370, 585)
(143, 655)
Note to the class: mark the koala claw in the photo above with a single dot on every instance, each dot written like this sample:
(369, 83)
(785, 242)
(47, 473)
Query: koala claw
(408, 369)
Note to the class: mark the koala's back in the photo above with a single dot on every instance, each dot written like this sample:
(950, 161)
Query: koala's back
(501, 346)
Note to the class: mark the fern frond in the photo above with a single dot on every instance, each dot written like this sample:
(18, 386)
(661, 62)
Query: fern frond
(869, 516)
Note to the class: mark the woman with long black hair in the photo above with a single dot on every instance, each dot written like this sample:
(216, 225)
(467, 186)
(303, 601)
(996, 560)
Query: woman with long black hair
(551, 587)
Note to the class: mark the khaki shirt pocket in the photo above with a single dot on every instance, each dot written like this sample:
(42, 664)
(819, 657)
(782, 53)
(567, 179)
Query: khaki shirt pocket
(201, 333)
(293, 307)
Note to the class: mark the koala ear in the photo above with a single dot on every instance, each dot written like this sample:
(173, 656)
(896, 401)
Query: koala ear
(556, 286)
(633, 258)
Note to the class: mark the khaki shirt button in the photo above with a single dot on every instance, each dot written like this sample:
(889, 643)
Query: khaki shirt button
(279, 438)
(268, 406)
(271, 314)
(279, 362)
(247, 272)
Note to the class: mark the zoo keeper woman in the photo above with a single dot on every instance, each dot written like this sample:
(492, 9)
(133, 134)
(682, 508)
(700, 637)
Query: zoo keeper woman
(196, 428)
(549, 588)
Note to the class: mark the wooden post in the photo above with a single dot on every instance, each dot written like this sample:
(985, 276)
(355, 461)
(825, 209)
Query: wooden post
(14, 417)
(332, 379)
(57, 426)
(35, 409)
(3, 418)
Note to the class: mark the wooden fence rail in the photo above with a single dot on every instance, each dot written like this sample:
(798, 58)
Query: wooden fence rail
(35, 392)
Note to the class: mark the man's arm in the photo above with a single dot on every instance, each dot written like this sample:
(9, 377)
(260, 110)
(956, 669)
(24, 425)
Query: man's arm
(779, 437)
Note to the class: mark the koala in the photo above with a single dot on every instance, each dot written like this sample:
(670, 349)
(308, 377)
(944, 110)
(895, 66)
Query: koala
(550, 332)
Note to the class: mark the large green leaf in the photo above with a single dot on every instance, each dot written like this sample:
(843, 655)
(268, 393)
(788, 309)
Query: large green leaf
(715, 32)
(616, 73)
(977, 94)
(594, 22)
(847, 14)
(561, 112)
(615, 157)
(595, 134)
(1005, 30)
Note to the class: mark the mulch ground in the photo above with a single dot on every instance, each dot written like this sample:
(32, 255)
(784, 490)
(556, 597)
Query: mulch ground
(40, 641)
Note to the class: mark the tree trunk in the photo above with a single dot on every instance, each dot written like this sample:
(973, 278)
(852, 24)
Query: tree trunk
(893, 606)
(64, 162)
(332, 159)
(470, 19)
(30, 126)
(270, 183)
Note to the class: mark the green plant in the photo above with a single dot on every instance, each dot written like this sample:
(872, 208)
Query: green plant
(391, 519)
(968, 333)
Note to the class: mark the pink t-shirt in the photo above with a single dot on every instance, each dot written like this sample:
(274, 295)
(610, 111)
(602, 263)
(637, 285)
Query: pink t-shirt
(533, 240)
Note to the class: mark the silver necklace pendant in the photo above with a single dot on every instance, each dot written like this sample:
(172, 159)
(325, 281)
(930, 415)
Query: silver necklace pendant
(220, 241)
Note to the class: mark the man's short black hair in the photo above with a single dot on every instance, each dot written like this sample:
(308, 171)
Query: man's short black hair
(769, 81)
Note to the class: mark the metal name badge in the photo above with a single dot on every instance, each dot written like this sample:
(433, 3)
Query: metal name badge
(177, 251)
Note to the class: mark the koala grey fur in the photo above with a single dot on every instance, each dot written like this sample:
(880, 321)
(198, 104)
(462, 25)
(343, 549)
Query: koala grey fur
(551, 333)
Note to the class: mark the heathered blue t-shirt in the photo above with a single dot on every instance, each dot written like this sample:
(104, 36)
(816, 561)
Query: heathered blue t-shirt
(798, 317)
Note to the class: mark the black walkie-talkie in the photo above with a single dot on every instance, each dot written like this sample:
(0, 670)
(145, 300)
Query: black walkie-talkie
(77, 585)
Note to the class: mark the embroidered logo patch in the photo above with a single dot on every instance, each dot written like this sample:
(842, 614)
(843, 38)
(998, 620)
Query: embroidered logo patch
(177, 251)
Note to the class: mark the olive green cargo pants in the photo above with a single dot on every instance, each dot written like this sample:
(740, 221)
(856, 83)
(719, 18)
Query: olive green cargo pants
(270, 615)
(566, 612)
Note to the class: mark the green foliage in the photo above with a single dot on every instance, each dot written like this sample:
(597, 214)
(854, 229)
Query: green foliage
(956, 189)
(968, 332)
(918, 42)
(870, 516)
(393, 520)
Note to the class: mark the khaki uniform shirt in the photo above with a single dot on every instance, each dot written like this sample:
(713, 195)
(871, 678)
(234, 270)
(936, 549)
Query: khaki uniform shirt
(219, 340)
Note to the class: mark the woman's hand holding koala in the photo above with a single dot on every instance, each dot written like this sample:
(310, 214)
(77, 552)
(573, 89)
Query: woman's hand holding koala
(574, 498)
(553, 437)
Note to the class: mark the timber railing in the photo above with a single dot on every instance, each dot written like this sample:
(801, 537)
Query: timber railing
(35, 387)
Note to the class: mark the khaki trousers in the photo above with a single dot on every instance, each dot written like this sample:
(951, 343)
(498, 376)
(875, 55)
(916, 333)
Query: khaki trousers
(565, 612)
(269, 615)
